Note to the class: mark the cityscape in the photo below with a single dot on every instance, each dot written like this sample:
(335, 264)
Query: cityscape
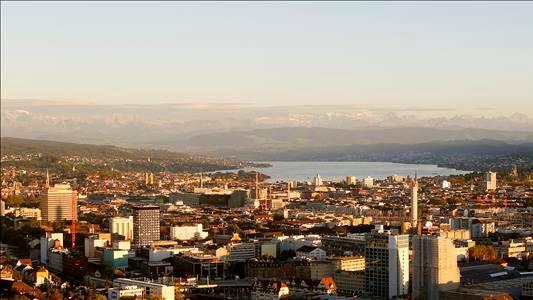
(345, 193)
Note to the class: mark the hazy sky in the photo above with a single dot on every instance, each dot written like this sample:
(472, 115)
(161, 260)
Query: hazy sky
(468, 56)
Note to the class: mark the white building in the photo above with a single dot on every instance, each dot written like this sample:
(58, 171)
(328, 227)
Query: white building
(398, 265)
(368, 182)
(122, 245)
(386, 256)
(311, 253)
(446, 184)
(240, 252)
(318, 180)
(186, 233)
(490, 181)
(157, 254)
(122, 226)
(166, 292)
(117, 293)
(294, 242)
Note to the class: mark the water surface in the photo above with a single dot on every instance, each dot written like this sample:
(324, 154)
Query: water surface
(333, 170)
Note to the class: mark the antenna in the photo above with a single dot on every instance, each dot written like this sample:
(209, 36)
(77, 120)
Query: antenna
(288, 191)
(201, 179)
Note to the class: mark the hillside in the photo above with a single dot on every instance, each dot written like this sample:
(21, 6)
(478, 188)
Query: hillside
(42, 153)
(478, 155)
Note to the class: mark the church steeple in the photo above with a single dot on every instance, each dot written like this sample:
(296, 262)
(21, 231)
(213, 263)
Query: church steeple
(47, 185)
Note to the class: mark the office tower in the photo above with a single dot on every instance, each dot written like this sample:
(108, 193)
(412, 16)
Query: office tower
(145, 225)
(122, 226)
(151, 178)
(414, 203)
(490, 181)
(59, 203)
(514, 171)
(318, 180)
(146, 179)
(387, 265)
(435, 266)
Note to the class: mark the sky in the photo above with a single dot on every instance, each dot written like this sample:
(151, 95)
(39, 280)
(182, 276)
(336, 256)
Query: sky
(469, 56)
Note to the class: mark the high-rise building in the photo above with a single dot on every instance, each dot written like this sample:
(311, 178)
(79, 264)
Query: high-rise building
(57, 203)
(122, 226)
(490, 181)
(387, 265)
(414, 203)
(435, 266)
(146, 227)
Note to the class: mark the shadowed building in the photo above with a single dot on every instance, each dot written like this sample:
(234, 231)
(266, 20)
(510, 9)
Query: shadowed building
(56, 203)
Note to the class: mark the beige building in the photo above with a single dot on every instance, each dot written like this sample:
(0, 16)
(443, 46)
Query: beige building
(57, 203)
(458, 234)
(28, 212)
(349, 263)
(122, 226)
(435, 266)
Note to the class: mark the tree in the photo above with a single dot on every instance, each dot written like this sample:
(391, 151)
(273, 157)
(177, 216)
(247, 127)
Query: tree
(482, 252)
(55, 295)
(235, 228)
(15, 200)
(284, 255)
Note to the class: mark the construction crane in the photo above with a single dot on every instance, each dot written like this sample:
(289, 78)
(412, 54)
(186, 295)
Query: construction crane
(73, 223)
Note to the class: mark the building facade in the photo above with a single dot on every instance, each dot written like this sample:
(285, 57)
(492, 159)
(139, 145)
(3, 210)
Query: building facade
(435, 266)
(387, 265)
(146, 228)
(122, 226)
(57, 203)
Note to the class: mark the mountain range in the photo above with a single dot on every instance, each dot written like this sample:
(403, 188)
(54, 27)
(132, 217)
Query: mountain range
(205, 126)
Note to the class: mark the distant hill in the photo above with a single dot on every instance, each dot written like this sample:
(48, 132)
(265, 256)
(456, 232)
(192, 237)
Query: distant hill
(51, 152)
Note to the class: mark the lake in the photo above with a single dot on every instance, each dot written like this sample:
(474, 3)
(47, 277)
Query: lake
(333, 170)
